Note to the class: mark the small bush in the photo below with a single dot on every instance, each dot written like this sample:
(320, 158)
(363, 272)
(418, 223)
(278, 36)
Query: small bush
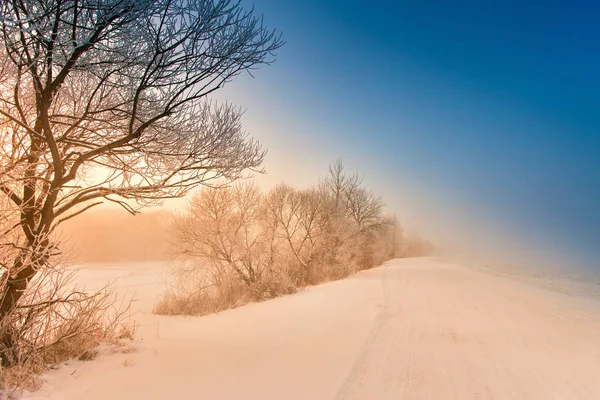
(55, 321)
(207, 300)
(200, 292)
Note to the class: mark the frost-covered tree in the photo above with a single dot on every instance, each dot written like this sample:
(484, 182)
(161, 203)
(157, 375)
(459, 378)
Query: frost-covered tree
(105, 100)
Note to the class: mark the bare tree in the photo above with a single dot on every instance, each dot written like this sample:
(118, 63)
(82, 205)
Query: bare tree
(354, 201)
(365, 209)
(396, 237)
(302, 217)
(357, 216)
(224, 229)
(104, 100)
(338, 183)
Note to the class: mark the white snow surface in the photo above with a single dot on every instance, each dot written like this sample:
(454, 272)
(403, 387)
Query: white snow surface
(411, 329)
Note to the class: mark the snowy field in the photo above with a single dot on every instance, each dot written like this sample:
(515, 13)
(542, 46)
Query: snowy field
(412, 329)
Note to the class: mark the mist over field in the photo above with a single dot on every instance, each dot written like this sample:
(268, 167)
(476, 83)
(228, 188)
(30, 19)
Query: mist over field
(113, 235)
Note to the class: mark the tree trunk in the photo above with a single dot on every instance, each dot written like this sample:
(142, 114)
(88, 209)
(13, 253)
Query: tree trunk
(15, 286)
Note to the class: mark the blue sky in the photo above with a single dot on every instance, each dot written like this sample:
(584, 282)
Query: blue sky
(492, 104)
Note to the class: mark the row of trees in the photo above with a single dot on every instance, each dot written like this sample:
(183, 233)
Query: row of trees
(265, 244)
